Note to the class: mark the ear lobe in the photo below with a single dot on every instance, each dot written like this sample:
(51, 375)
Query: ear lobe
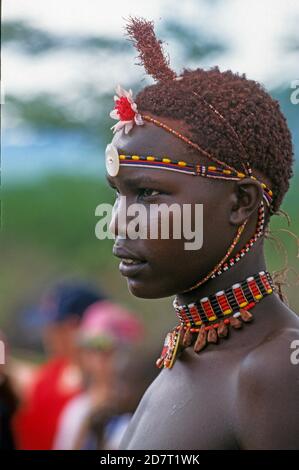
(245, 200)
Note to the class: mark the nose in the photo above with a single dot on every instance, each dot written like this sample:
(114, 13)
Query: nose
(118, 224)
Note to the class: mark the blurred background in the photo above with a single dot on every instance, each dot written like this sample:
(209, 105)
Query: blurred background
(60, 63)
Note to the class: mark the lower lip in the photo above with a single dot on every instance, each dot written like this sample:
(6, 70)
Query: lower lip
(130, 270)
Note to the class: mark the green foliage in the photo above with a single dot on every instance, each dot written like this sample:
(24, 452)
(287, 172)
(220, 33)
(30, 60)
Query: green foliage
(44, 111)
(56, 215)
(193, 43)
(32, 40)
(48, 231)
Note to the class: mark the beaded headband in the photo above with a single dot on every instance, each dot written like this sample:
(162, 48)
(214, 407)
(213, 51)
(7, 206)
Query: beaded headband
(115, 160)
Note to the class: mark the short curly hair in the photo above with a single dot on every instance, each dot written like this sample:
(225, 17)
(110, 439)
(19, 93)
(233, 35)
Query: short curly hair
(259, 126)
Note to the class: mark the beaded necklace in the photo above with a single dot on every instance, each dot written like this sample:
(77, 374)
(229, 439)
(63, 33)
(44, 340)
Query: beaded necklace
(208, 319)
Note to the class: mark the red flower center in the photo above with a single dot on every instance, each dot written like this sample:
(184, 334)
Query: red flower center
(124, 109)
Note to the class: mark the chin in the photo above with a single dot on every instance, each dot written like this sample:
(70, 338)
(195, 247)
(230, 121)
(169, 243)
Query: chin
(145, 290)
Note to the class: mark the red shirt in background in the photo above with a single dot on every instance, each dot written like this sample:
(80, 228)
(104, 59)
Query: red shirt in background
(36, 421)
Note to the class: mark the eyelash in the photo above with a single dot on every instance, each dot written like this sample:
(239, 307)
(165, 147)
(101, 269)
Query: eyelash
(141, 192)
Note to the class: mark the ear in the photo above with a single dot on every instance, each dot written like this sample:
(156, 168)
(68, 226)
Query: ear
(246, 198)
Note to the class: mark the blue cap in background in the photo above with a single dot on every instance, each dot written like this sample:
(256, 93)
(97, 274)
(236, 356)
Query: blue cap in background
(64, 300)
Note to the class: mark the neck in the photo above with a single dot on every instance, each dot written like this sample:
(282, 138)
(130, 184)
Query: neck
(205, 320)
(252, 263)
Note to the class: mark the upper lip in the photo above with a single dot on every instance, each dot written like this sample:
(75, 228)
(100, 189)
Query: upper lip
(124, 252)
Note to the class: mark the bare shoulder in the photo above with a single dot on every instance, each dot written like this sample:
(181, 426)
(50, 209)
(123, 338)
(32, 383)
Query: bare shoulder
(267, 410)
(273, 358)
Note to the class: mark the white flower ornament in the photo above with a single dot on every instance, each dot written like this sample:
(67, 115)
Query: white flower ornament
(125, 111)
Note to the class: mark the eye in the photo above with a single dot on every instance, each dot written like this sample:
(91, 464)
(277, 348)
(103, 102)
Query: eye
(115, 190)
(148, 192)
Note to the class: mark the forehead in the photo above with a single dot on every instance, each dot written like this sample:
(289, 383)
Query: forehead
(150, 139)
(133, 176)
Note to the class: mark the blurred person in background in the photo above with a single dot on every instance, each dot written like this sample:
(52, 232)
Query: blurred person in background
(8, 402)
(135, 372)
(107, 334)
(59, 379)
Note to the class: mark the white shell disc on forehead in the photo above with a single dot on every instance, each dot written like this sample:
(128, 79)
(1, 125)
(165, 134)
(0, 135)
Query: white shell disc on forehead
(112, 160)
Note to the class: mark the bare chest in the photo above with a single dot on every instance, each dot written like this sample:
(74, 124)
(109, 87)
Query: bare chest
(184, 408)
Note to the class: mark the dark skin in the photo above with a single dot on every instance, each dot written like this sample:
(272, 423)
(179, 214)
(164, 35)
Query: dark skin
(241, 393)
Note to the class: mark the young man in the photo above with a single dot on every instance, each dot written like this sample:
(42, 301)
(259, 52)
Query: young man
(217, 139)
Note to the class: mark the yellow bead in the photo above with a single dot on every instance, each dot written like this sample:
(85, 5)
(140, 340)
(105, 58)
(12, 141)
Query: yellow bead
(269, 291)
(226, 312)
(270, 192)
(240, 174)
(211, 168)
(150, 158)
(182, 163)
(122, 157)
(166, 160)
(212, 318)
(258, 296)
(135, 157)
(243, 304)
(227, 172)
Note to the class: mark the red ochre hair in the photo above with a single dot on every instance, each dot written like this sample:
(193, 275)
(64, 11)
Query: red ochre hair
(255, 128)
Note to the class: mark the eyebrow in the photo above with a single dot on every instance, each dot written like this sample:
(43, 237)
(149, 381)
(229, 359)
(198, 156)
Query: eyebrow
(133, 180)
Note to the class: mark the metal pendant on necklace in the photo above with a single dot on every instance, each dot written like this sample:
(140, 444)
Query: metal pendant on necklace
(171, 348)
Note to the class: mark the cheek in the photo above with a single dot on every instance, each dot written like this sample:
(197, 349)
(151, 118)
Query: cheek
(169, 267)
(166, 238)
(176, 264)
